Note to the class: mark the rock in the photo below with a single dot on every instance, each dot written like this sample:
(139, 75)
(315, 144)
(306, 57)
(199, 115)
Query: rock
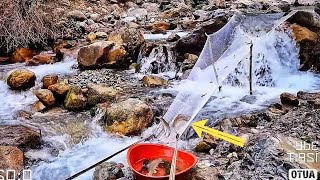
(75, 100)
(49, 80)
(22, 55)
(101, 35)
(77, 15)
(128, 117)
(190, 58)
(95, 17)
(308, 96)
(203, 172)
(173, 37)
(108, 171)
(91, 37)
(153, 81)
(19, 136)
(60, 88)
(303, 18)
(116, 54)
(289, 99)
(21, 79)
(38, 106)
(21, 114)
(99, 94)
(94, 55)
(11, 158)
(194, 42)
(202, 147)
(160, 27)
(304, 34)
(45, 96)
(133, 39)
(44, 58)
(4, 60)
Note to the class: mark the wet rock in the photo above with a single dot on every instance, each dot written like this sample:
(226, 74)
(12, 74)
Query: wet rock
(44, 58)
(60, 88)
(4, 59)
(108, 171)
(100, 94)
(304, 34)
(11, 158)
(38, 106)
(153, 81)
(45, 96)
(21, 79)
(19, 136)
(289, 99)
(75, 100)
(203, 172)
(116, 55)
(49, 80)
(91, 37)
(303, 18)
(21, 114)
(190, 58)
(128, 117)
(308, 96)
(77, 15)
(194, 42)
(22, 55)
(173, 37)
(94, 55)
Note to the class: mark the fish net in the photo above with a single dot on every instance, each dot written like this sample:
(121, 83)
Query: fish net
(224, 52)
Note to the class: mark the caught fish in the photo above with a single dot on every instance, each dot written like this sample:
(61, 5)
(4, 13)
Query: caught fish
(152, 167)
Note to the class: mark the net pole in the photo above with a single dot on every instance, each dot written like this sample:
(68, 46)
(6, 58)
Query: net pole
(250, 68)
(214, 67)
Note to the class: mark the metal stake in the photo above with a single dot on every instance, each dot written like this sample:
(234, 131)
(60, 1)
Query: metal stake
(250, 67)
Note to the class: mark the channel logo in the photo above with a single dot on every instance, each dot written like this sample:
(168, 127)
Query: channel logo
(303, 174)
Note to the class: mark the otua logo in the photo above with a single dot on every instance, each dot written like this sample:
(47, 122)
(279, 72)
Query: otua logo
(303, 174)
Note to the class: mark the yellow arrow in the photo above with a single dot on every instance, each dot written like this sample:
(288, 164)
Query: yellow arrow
(200, 127)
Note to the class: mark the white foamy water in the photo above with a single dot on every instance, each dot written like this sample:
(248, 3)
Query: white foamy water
(12, 101)
(163, 36)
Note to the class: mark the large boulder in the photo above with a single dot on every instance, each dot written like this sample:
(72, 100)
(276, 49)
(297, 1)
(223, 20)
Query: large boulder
(44, 58)
(304, 34)
(289, 99)
(22, 55)
(11, 158)
(45, 96)
(19, 136)
(194, 42)
(128, 117)
(60, 88)
(75, 100)
(49, 80)
(21, 79)
(94, 55)
(99, 94)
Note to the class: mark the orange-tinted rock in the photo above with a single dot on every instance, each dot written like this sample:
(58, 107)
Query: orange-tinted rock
(21, 79)
(45, 58)
(59, 88)
(45, 96)
(22, 55)
(289, 99)
(153, 81)
(11, 158)
(19, 136)
(160, 27)
(304, 34)
(38, 106)
(49, 80)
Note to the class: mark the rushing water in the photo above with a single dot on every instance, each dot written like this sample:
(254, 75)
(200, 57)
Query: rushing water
(275, 71)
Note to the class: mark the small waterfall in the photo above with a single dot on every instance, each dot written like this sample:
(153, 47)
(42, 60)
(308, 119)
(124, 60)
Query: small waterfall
(160, 60)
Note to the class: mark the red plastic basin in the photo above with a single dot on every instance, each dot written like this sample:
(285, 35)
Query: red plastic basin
(150, 151)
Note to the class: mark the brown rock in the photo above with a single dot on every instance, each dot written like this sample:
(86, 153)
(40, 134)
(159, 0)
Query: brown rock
(22, 55)
(99, 94)
(289, 99)
(153, 81)
(94, 55)
(117, 53)
(77, 15)
(60, 88)
(190, 58)
(304, 34)
(11, 158)
(160, 27)
(21, 79)
(49, 80)
(173, 37)
(44, 58)
(38, 106)
(129, 117)
(19, 136)
(4, 60)
(202, 147)
(45, 96)
(308, 96)
(91, 37)
(75, 100)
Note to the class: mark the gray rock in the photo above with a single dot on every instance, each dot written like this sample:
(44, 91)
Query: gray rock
(108, 171)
